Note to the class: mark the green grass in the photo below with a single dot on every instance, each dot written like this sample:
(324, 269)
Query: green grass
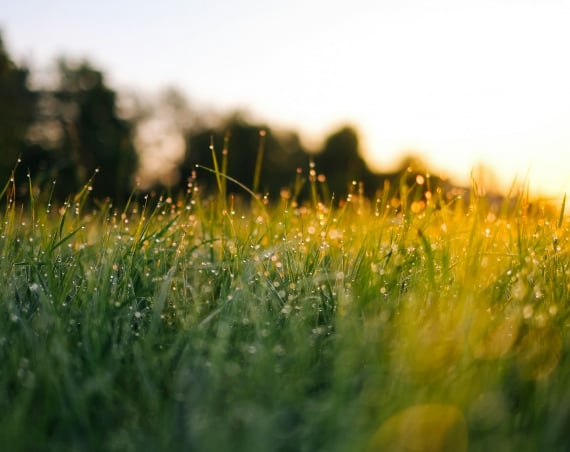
(216, 324)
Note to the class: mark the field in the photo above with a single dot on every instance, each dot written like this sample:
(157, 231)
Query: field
(218, 323)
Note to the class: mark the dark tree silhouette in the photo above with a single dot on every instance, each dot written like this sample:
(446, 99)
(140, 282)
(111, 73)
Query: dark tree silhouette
(282, 153)
(340, 161)
(17, 109)
(78, 130)
(94, 136)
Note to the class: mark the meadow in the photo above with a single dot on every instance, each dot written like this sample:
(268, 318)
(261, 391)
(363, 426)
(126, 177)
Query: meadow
(214, 322)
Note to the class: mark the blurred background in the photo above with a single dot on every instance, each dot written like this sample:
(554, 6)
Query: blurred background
(367, 89)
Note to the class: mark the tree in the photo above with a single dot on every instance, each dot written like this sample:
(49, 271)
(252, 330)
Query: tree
(17, 107)
(94, 136)
(340, 161)
(77, 131)
(282, 153)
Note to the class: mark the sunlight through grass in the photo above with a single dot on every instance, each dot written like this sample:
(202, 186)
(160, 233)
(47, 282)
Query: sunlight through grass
(224, 322)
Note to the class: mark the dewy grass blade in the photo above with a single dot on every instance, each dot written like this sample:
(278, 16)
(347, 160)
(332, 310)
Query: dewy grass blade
(430, 267)
(64, 239)
(54, 243)
(259, 161)
(239, 184)
(562, 212)
(160, 302)
(216, 169)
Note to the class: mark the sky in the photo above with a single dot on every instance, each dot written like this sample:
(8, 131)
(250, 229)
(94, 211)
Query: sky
(458, 82)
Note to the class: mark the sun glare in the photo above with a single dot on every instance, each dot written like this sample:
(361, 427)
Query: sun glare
(463, 87)
(458, 83)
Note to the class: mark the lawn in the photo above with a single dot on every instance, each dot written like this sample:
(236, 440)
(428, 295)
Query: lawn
(235, 323)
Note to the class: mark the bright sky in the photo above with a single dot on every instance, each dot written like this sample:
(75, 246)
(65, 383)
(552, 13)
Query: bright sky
(457, 81)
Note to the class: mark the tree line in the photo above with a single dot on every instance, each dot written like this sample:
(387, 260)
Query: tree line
(73, 128)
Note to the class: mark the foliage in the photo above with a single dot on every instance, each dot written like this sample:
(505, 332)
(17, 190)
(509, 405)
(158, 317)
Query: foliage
(202, 323)
(17, 107)
(341, 162)
(89, 134)
(64, 132)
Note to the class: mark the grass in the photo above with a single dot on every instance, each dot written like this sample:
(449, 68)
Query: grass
(215, 323)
